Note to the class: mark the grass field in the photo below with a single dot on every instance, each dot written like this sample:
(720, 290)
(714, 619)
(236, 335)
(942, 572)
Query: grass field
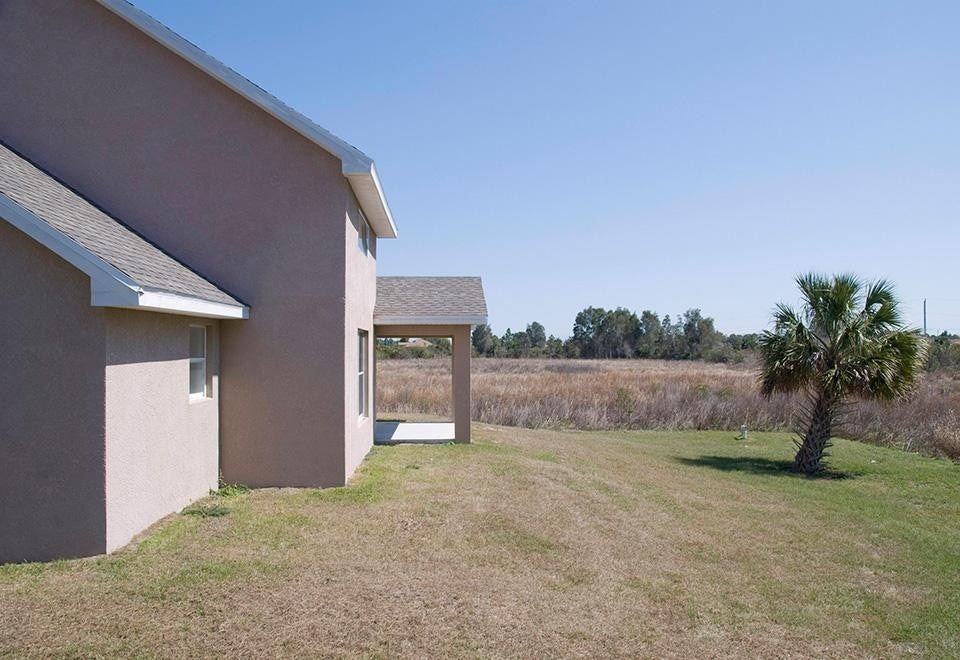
(532, 542)
(658, 395)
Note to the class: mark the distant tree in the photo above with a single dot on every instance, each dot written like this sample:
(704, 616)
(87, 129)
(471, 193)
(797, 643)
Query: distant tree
(650, 335)
(571, 349)
(484, 341)
(554, 347)
(619, 331)
(537, 335)
(847, 340)
(701, 339)
(672, 344)
(944, 352)
(746, 342)
(587, 330)
(503, 346)
(440, 346)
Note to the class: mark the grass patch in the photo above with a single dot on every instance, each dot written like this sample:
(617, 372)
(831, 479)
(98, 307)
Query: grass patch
(195, 575)
(206, 511)
(231, 490)
(547, 456)
(375, 481)
(504, 532)
(532, 543)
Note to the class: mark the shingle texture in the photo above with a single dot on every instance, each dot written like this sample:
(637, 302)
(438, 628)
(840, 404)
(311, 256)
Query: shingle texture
(66, 211)
(430, 297)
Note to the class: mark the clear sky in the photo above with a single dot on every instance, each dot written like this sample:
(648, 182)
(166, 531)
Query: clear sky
(651, 155)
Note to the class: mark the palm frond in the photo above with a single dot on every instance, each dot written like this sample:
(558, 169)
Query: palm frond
(848, 339)
(787, 353)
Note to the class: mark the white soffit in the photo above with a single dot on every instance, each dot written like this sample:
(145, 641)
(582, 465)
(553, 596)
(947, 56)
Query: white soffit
(357, 167)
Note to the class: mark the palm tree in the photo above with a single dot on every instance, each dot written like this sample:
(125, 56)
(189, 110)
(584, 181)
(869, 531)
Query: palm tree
(848, 340)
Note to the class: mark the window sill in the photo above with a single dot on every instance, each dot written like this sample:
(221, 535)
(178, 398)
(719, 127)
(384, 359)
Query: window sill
(199, 398)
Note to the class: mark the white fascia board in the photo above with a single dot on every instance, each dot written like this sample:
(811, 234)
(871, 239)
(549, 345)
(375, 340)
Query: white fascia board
(175, 303)
(355, 165)
(366, 186)
(430, 320)
(110, 286)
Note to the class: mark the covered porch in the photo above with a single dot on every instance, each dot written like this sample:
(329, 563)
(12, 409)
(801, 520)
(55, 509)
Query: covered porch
(431, 307)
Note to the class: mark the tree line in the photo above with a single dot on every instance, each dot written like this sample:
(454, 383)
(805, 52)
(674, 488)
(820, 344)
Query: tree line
(620, 333)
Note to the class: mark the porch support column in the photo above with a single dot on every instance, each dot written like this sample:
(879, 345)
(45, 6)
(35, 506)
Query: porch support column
(461, 383)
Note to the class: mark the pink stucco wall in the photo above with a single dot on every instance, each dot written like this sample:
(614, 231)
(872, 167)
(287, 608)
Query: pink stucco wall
(360, 298)
(97, 430)
(51, 406)
(161, 447)
(224, 187)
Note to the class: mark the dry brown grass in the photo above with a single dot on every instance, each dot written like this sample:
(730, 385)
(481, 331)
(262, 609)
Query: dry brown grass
(656, 394)
(531, 544)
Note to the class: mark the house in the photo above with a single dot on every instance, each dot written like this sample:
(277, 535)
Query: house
(188, 282)
(416, 342)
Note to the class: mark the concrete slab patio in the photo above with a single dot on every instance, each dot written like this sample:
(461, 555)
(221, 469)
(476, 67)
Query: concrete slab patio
(394, 433)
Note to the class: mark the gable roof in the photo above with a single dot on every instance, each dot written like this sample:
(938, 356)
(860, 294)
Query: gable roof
(430, 301)
(357, 167)
(125, 269)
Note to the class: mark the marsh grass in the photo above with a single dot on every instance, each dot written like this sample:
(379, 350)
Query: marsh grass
(656, 395)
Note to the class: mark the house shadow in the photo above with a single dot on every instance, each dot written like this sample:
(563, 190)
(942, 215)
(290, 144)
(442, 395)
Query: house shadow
(758, 465)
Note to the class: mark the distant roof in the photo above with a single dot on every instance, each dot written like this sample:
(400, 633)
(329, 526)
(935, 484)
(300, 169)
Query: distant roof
(356, 166)
(430, 301)
(126, 270)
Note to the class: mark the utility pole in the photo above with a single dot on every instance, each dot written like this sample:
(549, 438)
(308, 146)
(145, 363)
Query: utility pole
(924, 317)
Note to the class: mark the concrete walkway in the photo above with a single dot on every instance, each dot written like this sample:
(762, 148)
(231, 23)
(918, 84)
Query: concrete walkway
(393, 433)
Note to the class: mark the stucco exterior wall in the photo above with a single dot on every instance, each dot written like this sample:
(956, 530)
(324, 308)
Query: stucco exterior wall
(161, 447)
(51, 406)
(219, 184)
(359, 301)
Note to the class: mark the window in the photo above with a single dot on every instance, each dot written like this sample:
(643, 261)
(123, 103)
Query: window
(362, 376)
(363, 235)
(198, 362)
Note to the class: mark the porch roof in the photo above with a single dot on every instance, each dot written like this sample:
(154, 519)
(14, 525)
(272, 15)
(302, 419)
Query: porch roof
(430, 301)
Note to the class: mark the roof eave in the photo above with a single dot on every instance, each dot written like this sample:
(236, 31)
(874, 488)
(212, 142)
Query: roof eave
(110, 286)
(175, 303)
(465, 319)
(366, 186)
(357, 167)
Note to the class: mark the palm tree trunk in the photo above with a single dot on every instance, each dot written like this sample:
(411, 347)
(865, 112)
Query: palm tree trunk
(817, 437)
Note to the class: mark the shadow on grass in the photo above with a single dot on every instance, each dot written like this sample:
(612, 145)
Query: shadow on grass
(758, 465)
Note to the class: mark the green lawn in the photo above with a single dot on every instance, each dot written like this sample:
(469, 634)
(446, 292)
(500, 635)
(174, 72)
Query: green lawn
(532, 543)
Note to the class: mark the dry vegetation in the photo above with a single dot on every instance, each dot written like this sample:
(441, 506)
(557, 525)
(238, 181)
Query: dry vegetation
(531, 544)
(655, 394)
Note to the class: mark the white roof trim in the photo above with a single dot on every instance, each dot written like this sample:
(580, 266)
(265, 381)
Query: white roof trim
(429, 320)
(356, 166)
(166, 301)
(110, 286)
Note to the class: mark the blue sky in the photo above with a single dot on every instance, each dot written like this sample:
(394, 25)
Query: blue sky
(651, 155)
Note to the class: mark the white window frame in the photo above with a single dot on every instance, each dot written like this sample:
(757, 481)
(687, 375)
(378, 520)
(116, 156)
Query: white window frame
(202, 361)
(363, 234)
(363, 373)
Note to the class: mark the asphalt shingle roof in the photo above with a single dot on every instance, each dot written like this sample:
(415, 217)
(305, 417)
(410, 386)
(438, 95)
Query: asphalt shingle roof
(430, 297)
(106, 237)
